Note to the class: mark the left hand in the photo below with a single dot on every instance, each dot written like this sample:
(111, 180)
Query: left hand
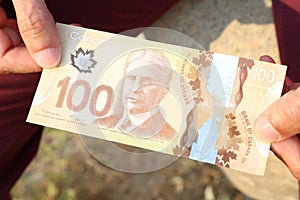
(35, 27)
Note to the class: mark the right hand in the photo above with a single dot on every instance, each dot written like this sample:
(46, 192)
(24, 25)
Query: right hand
(279, 124)
(30, 43)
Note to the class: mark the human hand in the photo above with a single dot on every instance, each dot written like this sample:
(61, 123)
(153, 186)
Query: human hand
(279, 124)
(30, 43)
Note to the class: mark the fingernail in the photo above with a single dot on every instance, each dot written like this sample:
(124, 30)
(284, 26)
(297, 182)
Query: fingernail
(265, 131)
(48, 58)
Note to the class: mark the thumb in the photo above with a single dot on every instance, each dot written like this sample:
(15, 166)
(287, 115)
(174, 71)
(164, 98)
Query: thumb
(38, 30)
(281, 120)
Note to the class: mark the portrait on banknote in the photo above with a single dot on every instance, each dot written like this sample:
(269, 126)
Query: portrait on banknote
(147, 75)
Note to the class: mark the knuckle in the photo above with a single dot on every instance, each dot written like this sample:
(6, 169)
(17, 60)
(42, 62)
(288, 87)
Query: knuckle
(34, 25)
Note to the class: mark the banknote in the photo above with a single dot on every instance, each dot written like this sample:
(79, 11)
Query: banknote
(161, 97)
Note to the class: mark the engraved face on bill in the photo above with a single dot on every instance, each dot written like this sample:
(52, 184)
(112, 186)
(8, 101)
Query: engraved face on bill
(145, 83)
(161, 97)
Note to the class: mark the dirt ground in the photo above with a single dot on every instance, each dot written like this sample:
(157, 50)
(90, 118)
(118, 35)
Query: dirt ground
(63, 169)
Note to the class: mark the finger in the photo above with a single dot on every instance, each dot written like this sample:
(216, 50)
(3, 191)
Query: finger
(15, 38)
(281, 120)
(289, 152)
(12, 23)
(2, 17)
(38, 31)
(76, 24)
(18, 60)
(15, 60)
(267, 58)
(290, 84)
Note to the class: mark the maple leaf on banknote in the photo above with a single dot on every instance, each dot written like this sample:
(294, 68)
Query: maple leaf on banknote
(83, 61)
(197, 96)
(195, 84)
(227, 156)
(234, 143)
(233, 131)
(230, 116)
(218, 161)
(192, 72)
(230, 120)
(203, 60)
(222, 151)
(224, 156)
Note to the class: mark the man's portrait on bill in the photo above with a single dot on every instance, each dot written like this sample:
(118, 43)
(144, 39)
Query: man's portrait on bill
(147, 75)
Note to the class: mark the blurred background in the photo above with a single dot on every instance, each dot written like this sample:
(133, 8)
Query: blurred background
(63, 169)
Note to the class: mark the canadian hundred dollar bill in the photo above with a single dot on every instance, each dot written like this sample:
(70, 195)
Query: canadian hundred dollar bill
(172, 99)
